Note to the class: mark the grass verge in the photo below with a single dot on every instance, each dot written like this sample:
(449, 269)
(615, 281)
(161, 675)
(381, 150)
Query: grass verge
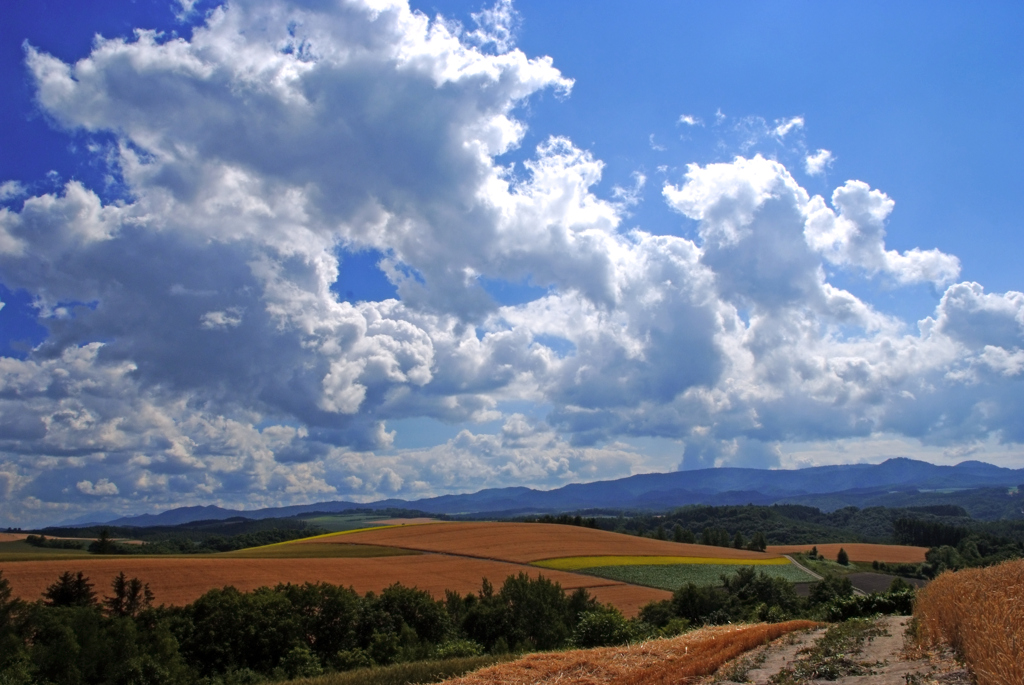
(404, 674)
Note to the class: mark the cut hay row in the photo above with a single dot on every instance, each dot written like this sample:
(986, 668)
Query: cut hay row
(578, 563)
(529, 542)
(859, 551)
(980, 614)
(658, 662)
(181, 580)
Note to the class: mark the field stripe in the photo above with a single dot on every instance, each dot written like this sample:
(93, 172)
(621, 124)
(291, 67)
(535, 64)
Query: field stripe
(343, 532)
(577, 563)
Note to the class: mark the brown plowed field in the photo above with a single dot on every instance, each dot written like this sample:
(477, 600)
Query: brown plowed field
(627, 598)
(859, 551)
(12, 537)
(180, 580)
(527, 542)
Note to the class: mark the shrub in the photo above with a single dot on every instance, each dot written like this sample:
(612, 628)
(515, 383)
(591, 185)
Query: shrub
(601, 629)
(843, 558)
(458, 649)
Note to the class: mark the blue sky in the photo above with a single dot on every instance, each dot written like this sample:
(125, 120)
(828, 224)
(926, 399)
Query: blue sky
(274, 252)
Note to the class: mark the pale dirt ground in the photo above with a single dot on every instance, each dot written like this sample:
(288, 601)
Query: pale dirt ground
(892, 659)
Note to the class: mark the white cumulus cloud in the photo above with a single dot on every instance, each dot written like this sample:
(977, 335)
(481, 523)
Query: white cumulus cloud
(101, 488)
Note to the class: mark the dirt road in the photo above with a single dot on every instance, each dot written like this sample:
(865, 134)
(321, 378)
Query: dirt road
(884, 659)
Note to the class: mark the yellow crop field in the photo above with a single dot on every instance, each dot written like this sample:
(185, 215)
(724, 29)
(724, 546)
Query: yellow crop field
(578, 563)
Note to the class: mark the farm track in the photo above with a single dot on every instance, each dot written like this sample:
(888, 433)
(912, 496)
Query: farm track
(889, 659)
(711, 656)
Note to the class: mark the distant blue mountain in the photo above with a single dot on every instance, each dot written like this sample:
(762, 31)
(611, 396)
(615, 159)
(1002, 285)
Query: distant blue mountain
(657, 491)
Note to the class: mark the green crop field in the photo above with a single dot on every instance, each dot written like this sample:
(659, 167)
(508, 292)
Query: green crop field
(19, 550)
(672, 577)
(341, 522)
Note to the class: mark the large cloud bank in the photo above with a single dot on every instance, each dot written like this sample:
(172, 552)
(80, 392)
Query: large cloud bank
(197, 353)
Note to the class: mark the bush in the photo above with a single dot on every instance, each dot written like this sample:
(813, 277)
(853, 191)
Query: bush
(899, 602)
(458, 649)
(843, 558)
(831, 588)
(601, 629)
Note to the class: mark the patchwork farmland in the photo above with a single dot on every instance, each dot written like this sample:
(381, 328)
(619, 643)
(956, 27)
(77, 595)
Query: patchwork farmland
(431, 556)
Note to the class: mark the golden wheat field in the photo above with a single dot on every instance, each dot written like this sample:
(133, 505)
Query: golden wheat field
(182, 579)
(859, 551)
(980, 614)
(530, 542)
(658, 662)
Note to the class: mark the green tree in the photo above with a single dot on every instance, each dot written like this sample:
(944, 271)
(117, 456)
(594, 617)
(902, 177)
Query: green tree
(843, 558)
(70, 590)
(13, 657)
(758, 543)
(131, 597)
(738, 542)
(103, 544)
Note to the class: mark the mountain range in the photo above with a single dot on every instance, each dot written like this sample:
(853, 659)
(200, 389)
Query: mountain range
(826, 487)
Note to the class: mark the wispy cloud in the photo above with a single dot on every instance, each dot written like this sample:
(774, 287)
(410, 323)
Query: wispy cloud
(816, 163)
(784, 126)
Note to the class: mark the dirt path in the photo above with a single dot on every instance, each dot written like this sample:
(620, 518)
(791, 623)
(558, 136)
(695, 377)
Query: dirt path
(808, 571)
(888, 657)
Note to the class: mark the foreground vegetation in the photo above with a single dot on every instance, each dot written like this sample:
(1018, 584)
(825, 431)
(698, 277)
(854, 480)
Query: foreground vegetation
(73, 636)
(979, 613)
(675, 660)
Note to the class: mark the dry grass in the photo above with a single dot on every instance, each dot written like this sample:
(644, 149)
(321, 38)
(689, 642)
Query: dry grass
(859, 551)
(657, 662)
(577, 563)
(182, 579)
(529, 542)
(980, 614)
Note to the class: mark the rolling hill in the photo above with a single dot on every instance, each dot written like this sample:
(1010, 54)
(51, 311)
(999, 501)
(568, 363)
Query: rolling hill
(826, 487)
